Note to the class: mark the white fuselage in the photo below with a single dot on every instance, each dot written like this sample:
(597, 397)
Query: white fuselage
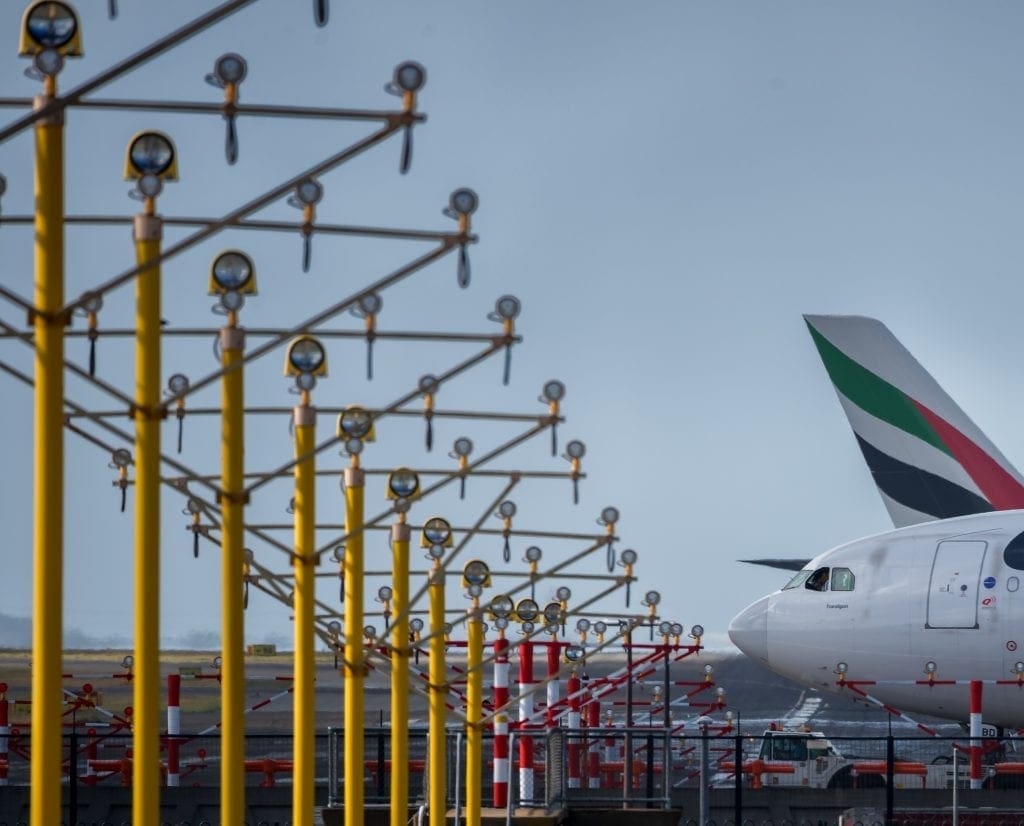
(940, 591)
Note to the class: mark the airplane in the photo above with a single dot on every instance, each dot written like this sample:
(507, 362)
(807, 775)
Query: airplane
(943, 587)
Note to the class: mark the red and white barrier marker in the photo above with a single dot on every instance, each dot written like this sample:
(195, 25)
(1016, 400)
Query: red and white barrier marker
(593, 714)
(976, 774)
(173, 729)
(525, 713)
(5, 731)
(574, 731)
(554, 649)
(501, 721)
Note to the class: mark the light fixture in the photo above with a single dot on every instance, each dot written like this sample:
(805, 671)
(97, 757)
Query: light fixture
(553, 612)
(437, 531)
(501, 605)
(507, 509)
(574, 653)
(409, 76)
(150, 153)
(384, 593)
(463, 202)
(232, 271)
(50, 26)
(564, 593)
(228, 69)
(334, 627)
(697, 631)
(476, 572)
(600, 628)
(177, 384)
(532, 554)
(403, 484)
(930, 667)
(841, 668)
(583, 625)
(651, 598)
(306, 356)
(416, 625)
(527, 610)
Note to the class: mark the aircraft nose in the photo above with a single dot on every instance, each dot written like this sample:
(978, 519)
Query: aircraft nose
(749, 630)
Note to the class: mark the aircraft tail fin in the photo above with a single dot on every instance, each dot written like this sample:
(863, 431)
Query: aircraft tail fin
(929, 460)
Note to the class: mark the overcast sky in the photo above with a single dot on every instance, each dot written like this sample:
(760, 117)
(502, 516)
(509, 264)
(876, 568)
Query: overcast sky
(667, 186)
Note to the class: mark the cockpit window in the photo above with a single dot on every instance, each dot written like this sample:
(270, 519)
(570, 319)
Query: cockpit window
(818, 581)
(1013, 556)
(842, 579)
(797, 581)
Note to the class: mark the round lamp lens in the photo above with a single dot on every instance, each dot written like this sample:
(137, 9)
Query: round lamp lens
(463, 446)
(527, 610)
(533, 554)
(575, 449)
(369, 631)
(677, 629)
(122, 458)
(218, 662)
(610, 515)
(355, 422)
(304, 381)
(527, 627)
(574, 653)
(554, 391)
(652, 598)
(628, 557)
(178, 383)
(428, 384)
(600, 628)
(353, 446)
(436, 551)
(664, 628)
(306, 355)
(151, 154)
(232, 270)
(930, 667)
(370, 303)
(150, 185)
(501, 623)
(230, 68)
(464, 201)
(437, 530)
(553, 612)
(410, 76)
(583, 625)
(384, 593)
(51, 24)
(49, 62)
(476, 572)
(334, 627)
(709, 669)
(415, 625)
(501, 605)
(194, 507)
(1018, 667)
(127, 661)
(309, 192)
(507, 509)
(403, 483)
(842, 668)
(507, 306)
(697, 631)
(233, 301)
(563, 593)
(339, 553)
(474, 590)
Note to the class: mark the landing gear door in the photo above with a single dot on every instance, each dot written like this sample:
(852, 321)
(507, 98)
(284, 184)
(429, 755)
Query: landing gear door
(953, 589)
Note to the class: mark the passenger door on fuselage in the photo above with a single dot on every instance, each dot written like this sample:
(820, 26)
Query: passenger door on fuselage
(953, 587)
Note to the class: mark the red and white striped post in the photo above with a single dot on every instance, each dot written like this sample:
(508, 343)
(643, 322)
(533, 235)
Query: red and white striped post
(593, 710)
(92, 753)
(5, 731)
(611, 748)
(500, 721)
(975, 752)
(554, 649)
(574, 731)
(525, 713)
(173, 729)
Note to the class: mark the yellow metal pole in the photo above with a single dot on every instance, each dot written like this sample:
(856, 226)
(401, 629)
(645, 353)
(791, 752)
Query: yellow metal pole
(146, 700)
(48, 494)
(305, 597)
(232, 685)
(474, 713)
(354, 667)
(437, 797)
(400, 673)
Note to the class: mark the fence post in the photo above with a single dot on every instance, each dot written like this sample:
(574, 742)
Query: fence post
(704, 801)
(666, 768)
(890, 778)
(737, 798)
(511, 786)
(73, 776)
(380, 767)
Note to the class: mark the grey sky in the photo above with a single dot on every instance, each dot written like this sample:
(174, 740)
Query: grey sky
(667, 186)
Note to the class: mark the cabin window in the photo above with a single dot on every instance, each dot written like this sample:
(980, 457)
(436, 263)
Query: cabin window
(818, 581)
(798, 580)
(1012, 584)
(842, 579)
(790, 748)
(1013, 556)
